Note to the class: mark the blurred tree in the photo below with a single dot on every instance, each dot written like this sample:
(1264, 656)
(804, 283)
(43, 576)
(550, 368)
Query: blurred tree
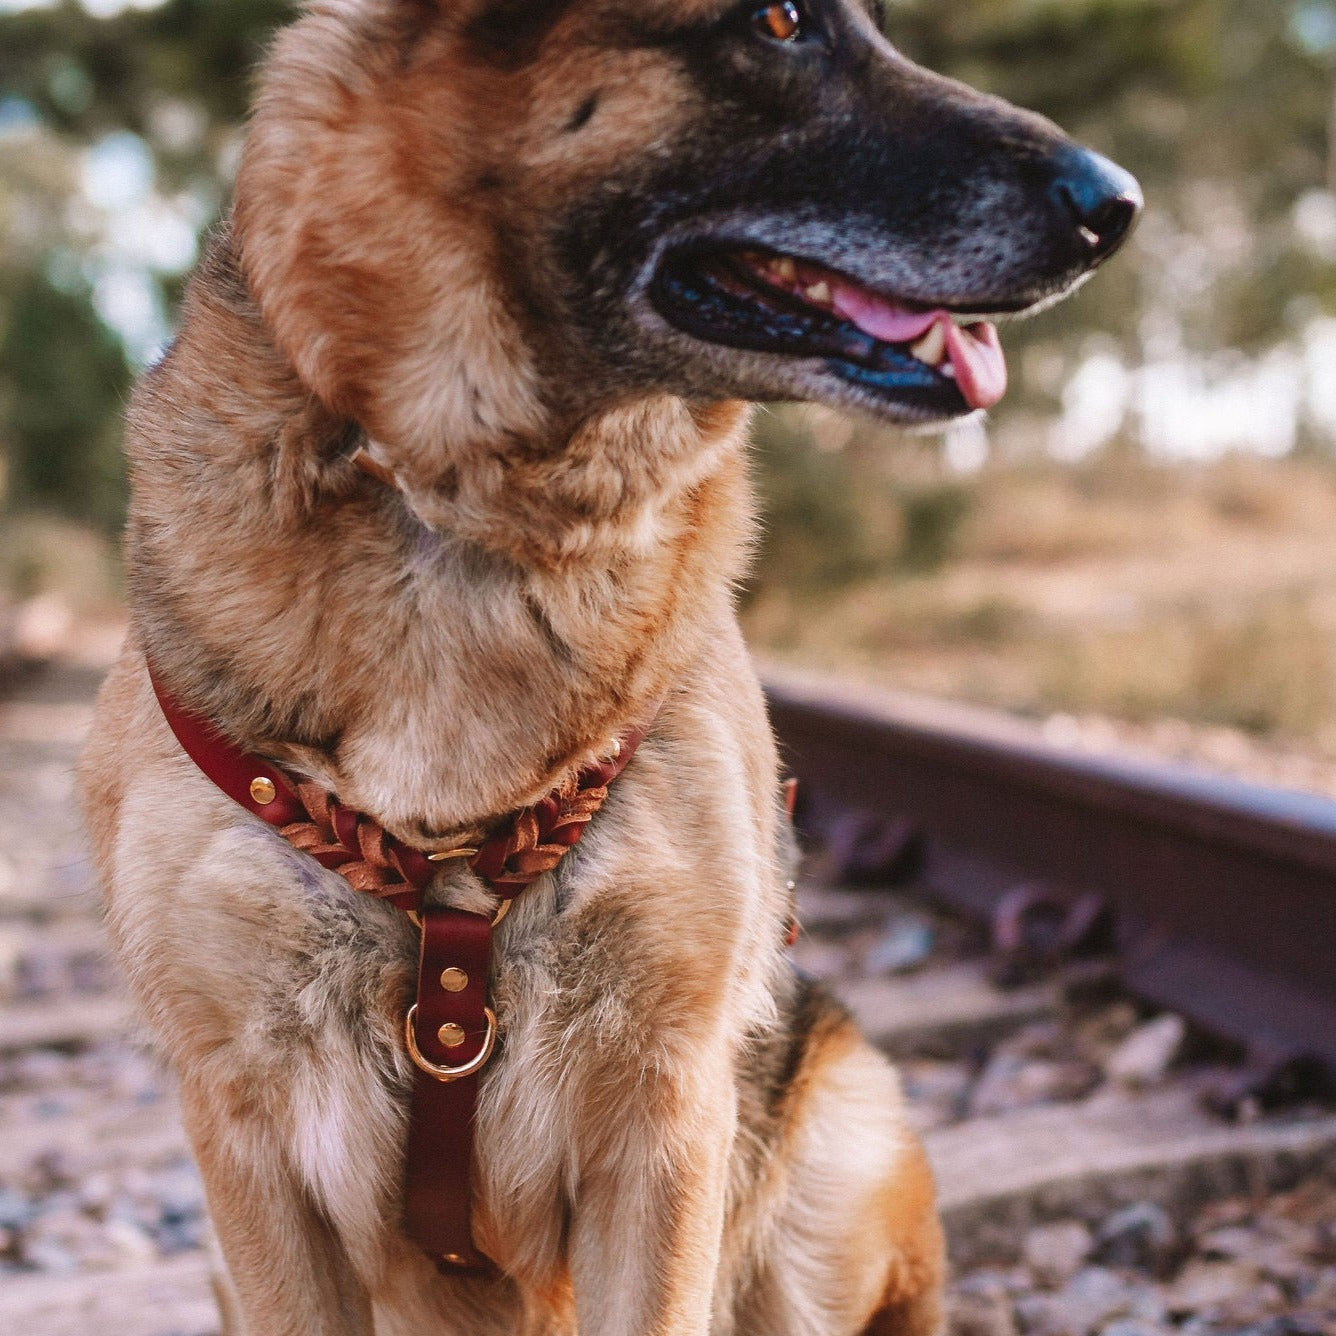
(85, 75)
(63, 377)
(169, 84)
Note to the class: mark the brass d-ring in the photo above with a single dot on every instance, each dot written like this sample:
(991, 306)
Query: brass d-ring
(464, 1068)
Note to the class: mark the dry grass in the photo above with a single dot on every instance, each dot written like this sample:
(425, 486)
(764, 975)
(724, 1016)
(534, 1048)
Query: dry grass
(1269, 671)
(43, 555)
(1137, 592)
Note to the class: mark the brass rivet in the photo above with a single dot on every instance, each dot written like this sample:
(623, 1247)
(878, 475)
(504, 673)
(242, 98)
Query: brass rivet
(451, 1035)
(263, 790)
(454, 980)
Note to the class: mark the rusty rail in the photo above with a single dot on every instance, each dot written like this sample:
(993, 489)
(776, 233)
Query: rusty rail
(1217, 898)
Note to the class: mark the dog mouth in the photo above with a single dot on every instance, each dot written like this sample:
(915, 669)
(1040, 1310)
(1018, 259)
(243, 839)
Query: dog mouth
(928, 360)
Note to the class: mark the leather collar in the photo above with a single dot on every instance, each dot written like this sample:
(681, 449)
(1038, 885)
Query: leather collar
(521, 847)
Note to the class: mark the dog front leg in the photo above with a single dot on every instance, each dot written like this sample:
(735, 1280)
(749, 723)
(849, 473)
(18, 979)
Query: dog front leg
(289, 1273)
(649, 1208)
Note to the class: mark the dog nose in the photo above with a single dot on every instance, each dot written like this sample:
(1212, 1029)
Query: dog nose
(1101, 198)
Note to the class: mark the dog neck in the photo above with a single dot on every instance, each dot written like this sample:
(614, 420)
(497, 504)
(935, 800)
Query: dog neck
(436, 651)
(587, 497)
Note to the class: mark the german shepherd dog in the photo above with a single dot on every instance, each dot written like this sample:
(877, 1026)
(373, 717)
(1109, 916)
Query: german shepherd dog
(529, 258)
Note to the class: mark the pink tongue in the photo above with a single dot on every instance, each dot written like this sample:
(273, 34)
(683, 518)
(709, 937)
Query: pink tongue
(975, 353)
(882, 319)
(977, 359)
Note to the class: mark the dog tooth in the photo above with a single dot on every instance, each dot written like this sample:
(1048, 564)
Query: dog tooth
(819, 293)
(785, 268)
(931, 348)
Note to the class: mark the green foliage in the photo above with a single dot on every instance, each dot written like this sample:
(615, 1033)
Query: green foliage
(932, 521)
(86, 76)
(63, 379)
(64, 375)
(830, 521)
(815, 535)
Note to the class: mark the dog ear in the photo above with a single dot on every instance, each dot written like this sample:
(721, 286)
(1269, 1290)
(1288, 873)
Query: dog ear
(506, 32)
(509, 32)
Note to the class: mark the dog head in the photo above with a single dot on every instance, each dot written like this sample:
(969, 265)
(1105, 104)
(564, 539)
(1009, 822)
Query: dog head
(470, 219)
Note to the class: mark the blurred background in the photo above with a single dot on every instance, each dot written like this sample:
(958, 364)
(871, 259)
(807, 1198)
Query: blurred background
(1135, 550)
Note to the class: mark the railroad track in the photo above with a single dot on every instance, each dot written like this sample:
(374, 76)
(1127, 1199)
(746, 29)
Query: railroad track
(1065, 1091)
(1214, 897)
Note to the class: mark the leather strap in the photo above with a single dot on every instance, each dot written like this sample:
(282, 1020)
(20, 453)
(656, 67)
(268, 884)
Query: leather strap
(238, 775)
(452, 991)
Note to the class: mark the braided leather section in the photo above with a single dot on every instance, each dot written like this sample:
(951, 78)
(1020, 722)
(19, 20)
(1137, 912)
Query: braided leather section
(364, 856)
(529, 844)
(539, 837)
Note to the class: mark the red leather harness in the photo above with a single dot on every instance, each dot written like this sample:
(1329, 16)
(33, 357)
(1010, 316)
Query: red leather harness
(450, 1031)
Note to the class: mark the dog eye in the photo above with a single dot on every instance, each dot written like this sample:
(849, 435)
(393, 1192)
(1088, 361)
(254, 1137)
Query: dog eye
(780, 23)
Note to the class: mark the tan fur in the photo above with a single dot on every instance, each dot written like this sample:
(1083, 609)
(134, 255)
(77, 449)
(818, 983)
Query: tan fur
(677, 1138)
